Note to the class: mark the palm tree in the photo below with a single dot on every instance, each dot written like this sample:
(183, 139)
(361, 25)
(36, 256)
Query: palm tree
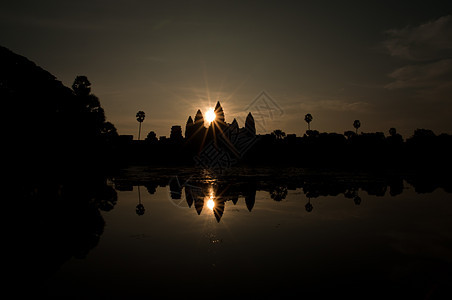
(309, 207)
(279, 134)
(308, 118)
(356, 124)
(140, 207)
(279, 193)
(140, 118)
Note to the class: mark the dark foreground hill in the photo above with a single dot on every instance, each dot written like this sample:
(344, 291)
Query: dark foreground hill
(47, 124)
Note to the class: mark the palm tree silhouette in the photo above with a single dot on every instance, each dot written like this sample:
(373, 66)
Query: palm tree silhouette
(140, 207)
(279, 134)
(356, 124)
(308, 118)
(140, 118)
(279, 193)
(309, 206)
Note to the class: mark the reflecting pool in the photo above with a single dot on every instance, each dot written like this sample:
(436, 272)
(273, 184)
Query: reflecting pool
(254, 233)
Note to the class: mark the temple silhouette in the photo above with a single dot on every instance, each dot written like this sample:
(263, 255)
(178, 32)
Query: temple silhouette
(221, 145)
(64, 128)
(197, 135)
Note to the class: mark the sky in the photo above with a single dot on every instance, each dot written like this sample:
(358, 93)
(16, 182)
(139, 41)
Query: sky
(386, 63)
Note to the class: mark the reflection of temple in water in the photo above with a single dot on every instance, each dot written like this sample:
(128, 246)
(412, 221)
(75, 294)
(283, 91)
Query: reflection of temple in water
(218, 195)
(198, 192)
(225, 191)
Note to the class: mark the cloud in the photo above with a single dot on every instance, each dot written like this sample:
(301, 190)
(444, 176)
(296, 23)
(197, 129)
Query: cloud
(427, 49)
(428, 41)
(335, 105)
(420, 76)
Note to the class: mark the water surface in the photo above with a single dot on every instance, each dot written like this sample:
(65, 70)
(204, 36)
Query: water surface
(254, 233)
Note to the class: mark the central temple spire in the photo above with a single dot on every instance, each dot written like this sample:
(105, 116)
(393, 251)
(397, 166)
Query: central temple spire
(219, 112)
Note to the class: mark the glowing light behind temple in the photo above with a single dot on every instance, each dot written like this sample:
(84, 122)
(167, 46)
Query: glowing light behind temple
(210, 115)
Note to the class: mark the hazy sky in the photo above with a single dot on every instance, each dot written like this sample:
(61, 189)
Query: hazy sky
(386, 63)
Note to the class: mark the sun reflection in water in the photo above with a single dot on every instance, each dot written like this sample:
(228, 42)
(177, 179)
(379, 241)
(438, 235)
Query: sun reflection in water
(210, 202)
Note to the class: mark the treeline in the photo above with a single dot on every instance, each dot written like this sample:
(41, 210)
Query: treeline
(49, 124)
(424, 149)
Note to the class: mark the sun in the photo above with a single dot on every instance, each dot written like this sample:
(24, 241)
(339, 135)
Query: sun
(210, 115)
(210, 204)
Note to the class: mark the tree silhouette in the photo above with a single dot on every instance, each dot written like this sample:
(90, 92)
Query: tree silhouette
(140, 118)
(356, 124)
(394, 138)
(308, 118)
(392, 131)
(349, 134)
(109, 130)
(279, 193)
(140, 207)
(152, 137)
(312, 133)
(309, 207)
(279, 134)
(81, 86)
(88, 107)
